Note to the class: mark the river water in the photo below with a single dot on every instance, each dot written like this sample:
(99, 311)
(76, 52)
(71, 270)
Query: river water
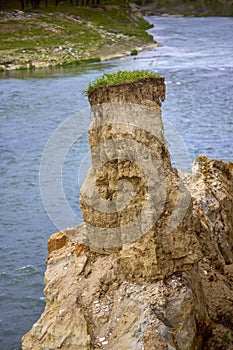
(197, 61)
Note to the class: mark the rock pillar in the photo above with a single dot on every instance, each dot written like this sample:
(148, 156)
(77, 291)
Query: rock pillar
(132, 198)
(150, 268)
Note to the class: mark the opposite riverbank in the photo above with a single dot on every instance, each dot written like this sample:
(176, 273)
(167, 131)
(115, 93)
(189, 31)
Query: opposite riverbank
(195, 8)
(65, 35)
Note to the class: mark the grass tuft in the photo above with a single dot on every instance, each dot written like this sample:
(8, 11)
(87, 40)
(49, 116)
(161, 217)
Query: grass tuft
(120, 77)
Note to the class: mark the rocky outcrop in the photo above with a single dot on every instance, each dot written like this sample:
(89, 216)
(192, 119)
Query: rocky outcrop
(211, 187)
(151, 266)
(129, 155)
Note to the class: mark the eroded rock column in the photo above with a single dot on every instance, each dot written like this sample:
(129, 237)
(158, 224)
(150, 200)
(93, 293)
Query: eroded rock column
(128, 277)
(132, 198)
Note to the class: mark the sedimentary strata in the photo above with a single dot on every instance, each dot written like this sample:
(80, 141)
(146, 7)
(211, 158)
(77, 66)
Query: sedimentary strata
(127, 280)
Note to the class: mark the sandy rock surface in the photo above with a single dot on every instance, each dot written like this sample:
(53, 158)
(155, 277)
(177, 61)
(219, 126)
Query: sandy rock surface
(163, 286)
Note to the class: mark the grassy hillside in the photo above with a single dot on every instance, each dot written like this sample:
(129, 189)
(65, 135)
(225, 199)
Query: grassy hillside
(64, 34)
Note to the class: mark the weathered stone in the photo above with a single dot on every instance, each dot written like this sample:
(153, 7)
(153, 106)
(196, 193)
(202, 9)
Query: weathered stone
(63, 324)
(212, 189)
(128, 147)
(228, 269)
(57, 241)
(166, 287)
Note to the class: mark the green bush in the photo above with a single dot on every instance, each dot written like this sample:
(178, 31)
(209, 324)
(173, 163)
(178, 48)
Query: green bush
(134, 53)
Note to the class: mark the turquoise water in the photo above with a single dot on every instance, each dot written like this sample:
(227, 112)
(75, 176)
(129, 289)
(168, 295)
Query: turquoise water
(196, 60)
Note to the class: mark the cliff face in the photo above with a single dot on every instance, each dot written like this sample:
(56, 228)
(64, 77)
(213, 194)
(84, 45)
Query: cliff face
(151, 267)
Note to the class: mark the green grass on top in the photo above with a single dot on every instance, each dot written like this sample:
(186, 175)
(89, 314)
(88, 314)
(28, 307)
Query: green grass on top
(120, 77)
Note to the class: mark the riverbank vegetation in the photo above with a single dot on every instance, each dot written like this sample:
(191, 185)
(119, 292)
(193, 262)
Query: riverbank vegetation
(44, 33)
(52, 35)
(187, 7)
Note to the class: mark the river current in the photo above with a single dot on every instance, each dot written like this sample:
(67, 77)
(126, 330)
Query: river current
(196, 59)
